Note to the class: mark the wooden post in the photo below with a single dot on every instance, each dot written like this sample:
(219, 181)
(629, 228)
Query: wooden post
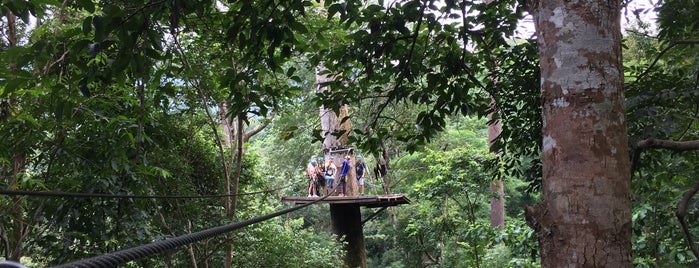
(346, 220)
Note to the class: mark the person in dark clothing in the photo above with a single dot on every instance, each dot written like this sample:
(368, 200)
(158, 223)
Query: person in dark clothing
(320, 177)
(361, 172)
(311, 171)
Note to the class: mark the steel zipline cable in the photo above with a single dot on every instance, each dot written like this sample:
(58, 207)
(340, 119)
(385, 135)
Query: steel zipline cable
(123, 256)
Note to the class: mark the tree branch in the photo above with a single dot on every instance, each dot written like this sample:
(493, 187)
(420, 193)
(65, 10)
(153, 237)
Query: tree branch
(427, 254)
(678, 146)
(657, 58)
(247, 135)
(680, 213)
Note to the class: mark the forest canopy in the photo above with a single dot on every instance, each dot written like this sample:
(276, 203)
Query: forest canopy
(128, 122)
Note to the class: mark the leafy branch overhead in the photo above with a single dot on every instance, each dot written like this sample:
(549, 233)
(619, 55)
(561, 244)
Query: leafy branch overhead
(419, 53)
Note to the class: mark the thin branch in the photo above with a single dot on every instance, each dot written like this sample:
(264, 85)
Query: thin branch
(427, 254)
(662, 53)
(681, 212)
(249, 134)
(142, 9)
(62, 14)
(59, 60)
(677, 146)
(406, 67)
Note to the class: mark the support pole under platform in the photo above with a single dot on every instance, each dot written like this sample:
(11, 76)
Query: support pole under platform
(346, 220)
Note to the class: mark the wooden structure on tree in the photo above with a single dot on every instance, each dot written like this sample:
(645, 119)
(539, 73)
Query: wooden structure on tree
(347, 222)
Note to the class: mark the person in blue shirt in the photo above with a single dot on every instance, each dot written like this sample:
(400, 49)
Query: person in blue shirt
(344, 169)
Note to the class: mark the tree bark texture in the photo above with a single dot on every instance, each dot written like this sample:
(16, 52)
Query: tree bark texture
(331, 124)
(352, 183)
(224, 119)
(584, 219)
(382, 166)
(236, 180)
(328, 118)
(346, 222)
(497, 204)
(497, 187)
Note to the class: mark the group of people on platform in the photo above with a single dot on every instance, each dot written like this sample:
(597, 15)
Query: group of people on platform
(322, 175)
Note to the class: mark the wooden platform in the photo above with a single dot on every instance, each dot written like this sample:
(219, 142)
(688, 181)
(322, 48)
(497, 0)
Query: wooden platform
(370, 201)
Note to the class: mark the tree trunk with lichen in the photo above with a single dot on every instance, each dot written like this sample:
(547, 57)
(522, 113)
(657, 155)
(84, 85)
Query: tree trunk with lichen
(584, 219)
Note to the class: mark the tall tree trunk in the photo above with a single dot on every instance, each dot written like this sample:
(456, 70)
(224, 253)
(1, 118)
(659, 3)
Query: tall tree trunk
(14, 236)
(327, 122)
(328, 118)
(332, 123)
(238, 163)
(224, 119)
(380, 172)
(240, 137)
(18, 219)
(236, 179)
(497, 190)
(584, 218)
(497, 198)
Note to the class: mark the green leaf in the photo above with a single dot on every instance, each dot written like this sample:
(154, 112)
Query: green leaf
(87, 25)
(100, 32)
(334, 9)
(290, 71)
(298, 27)
(87, 5)
(153, 54)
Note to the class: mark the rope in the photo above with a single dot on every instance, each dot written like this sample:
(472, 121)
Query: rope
(123, 256)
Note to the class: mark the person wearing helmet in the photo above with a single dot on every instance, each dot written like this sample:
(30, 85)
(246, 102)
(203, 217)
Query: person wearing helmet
(312, 170)
(313, 159)
(330, 170)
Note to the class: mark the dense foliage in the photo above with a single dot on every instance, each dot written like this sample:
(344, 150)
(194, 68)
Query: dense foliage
(121, 98)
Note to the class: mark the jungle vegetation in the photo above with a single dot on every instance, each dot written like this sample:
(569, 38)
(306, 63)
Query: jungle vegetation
(178, 116)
